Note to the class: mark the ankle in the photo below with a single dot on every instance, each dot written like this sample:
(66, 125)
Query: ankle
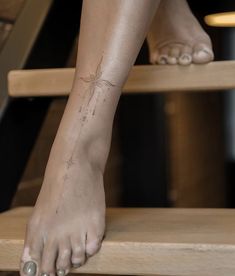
(95, 151)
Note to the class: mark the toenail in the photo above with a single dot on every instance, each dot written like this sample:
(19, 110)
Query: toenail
(60, 272)
(44, 274)
(203, 53)
(185, 57)
(30, 268)
(76, 265)
(172, 60)
(162, 60)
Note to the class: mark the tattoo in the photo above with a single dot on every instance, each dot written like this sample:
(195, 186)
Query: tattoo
(95, 81)
(70, 162)
(65, 177)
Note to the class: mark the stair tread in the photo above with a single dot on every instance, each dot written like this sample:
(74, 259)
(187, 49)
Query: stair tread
(218, 75)
(153, 241)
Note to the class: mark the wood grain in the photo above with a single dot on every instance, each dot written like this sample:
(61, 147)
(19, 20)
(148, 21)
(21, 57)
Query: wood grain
(145, 241)
(143, 78)
(9, 9)
(5, 29)
(195, 127)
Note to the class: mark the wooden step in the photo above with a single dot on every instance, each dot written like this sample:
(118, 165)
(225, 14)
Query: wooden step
(145, 241)
(9, 9)
(145, 78)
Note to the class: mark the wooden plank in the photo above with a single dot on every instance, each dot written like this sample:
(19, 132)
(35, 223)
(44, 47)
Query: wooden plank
(143, 78)
(195, 127)
(5, 29)
(33, 11)
(146, 241)
(9, 9)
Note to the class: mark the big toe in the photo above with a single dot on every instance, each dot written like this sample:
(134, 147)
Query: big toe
(202, 53)
(31, 257)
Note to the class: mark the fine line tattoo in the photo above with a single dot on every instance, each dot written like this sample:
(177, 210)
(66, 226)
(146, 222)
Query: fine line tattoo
(95, 81)
(70, 162)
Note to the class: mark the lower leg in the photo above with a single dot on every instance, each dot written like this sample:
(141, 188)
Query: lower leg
(68, 221)
(176, 36)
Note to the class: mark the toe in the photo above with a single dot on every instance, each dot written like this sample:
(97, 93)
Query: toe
(63, 263)
(175, 51)
(78, 252)
(185, 57)
(29, 268)
(31, 257)
(93, 243)
(48, 257)
(154, 55)
(163, 55)
(173, 54)
(202, 53)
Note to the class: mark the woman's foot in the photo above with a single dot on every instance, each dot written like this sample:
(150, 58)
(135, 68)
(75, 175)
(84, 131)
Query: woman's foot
(176, 37)
(68, 220)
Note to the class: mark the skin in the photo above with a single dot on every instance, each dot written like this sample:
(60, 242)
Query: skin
(67, 225)
(68, 221)
(176, 37)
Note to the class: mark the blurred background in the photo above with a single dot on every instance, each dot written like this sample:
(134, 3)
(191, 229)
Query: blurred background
(168, 150)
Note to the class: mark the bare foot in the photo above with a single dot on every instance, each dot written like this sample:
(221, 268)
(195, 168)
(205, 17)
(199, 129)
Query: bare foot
(176, 37)
(68, 220)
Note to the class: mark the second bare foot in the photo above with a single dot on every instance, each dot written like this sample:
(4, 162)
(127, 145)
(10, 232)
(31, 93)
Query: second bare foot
(176, 37)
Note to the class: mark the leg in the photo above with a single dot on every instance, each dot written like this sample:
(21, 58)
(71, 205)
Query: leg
(68, 221)
(176, 36)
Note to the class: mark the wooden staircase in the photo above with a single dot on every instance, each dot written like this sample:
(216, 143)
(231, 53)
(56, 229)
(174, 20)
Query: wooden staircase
(140, 241)
(145, 241)
(218, 75)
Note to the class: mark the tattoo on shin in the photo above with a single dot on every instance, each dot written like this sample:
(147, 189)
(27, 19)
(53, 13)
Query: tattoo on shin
(97, 84)
(70, 162)
(96, 81)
